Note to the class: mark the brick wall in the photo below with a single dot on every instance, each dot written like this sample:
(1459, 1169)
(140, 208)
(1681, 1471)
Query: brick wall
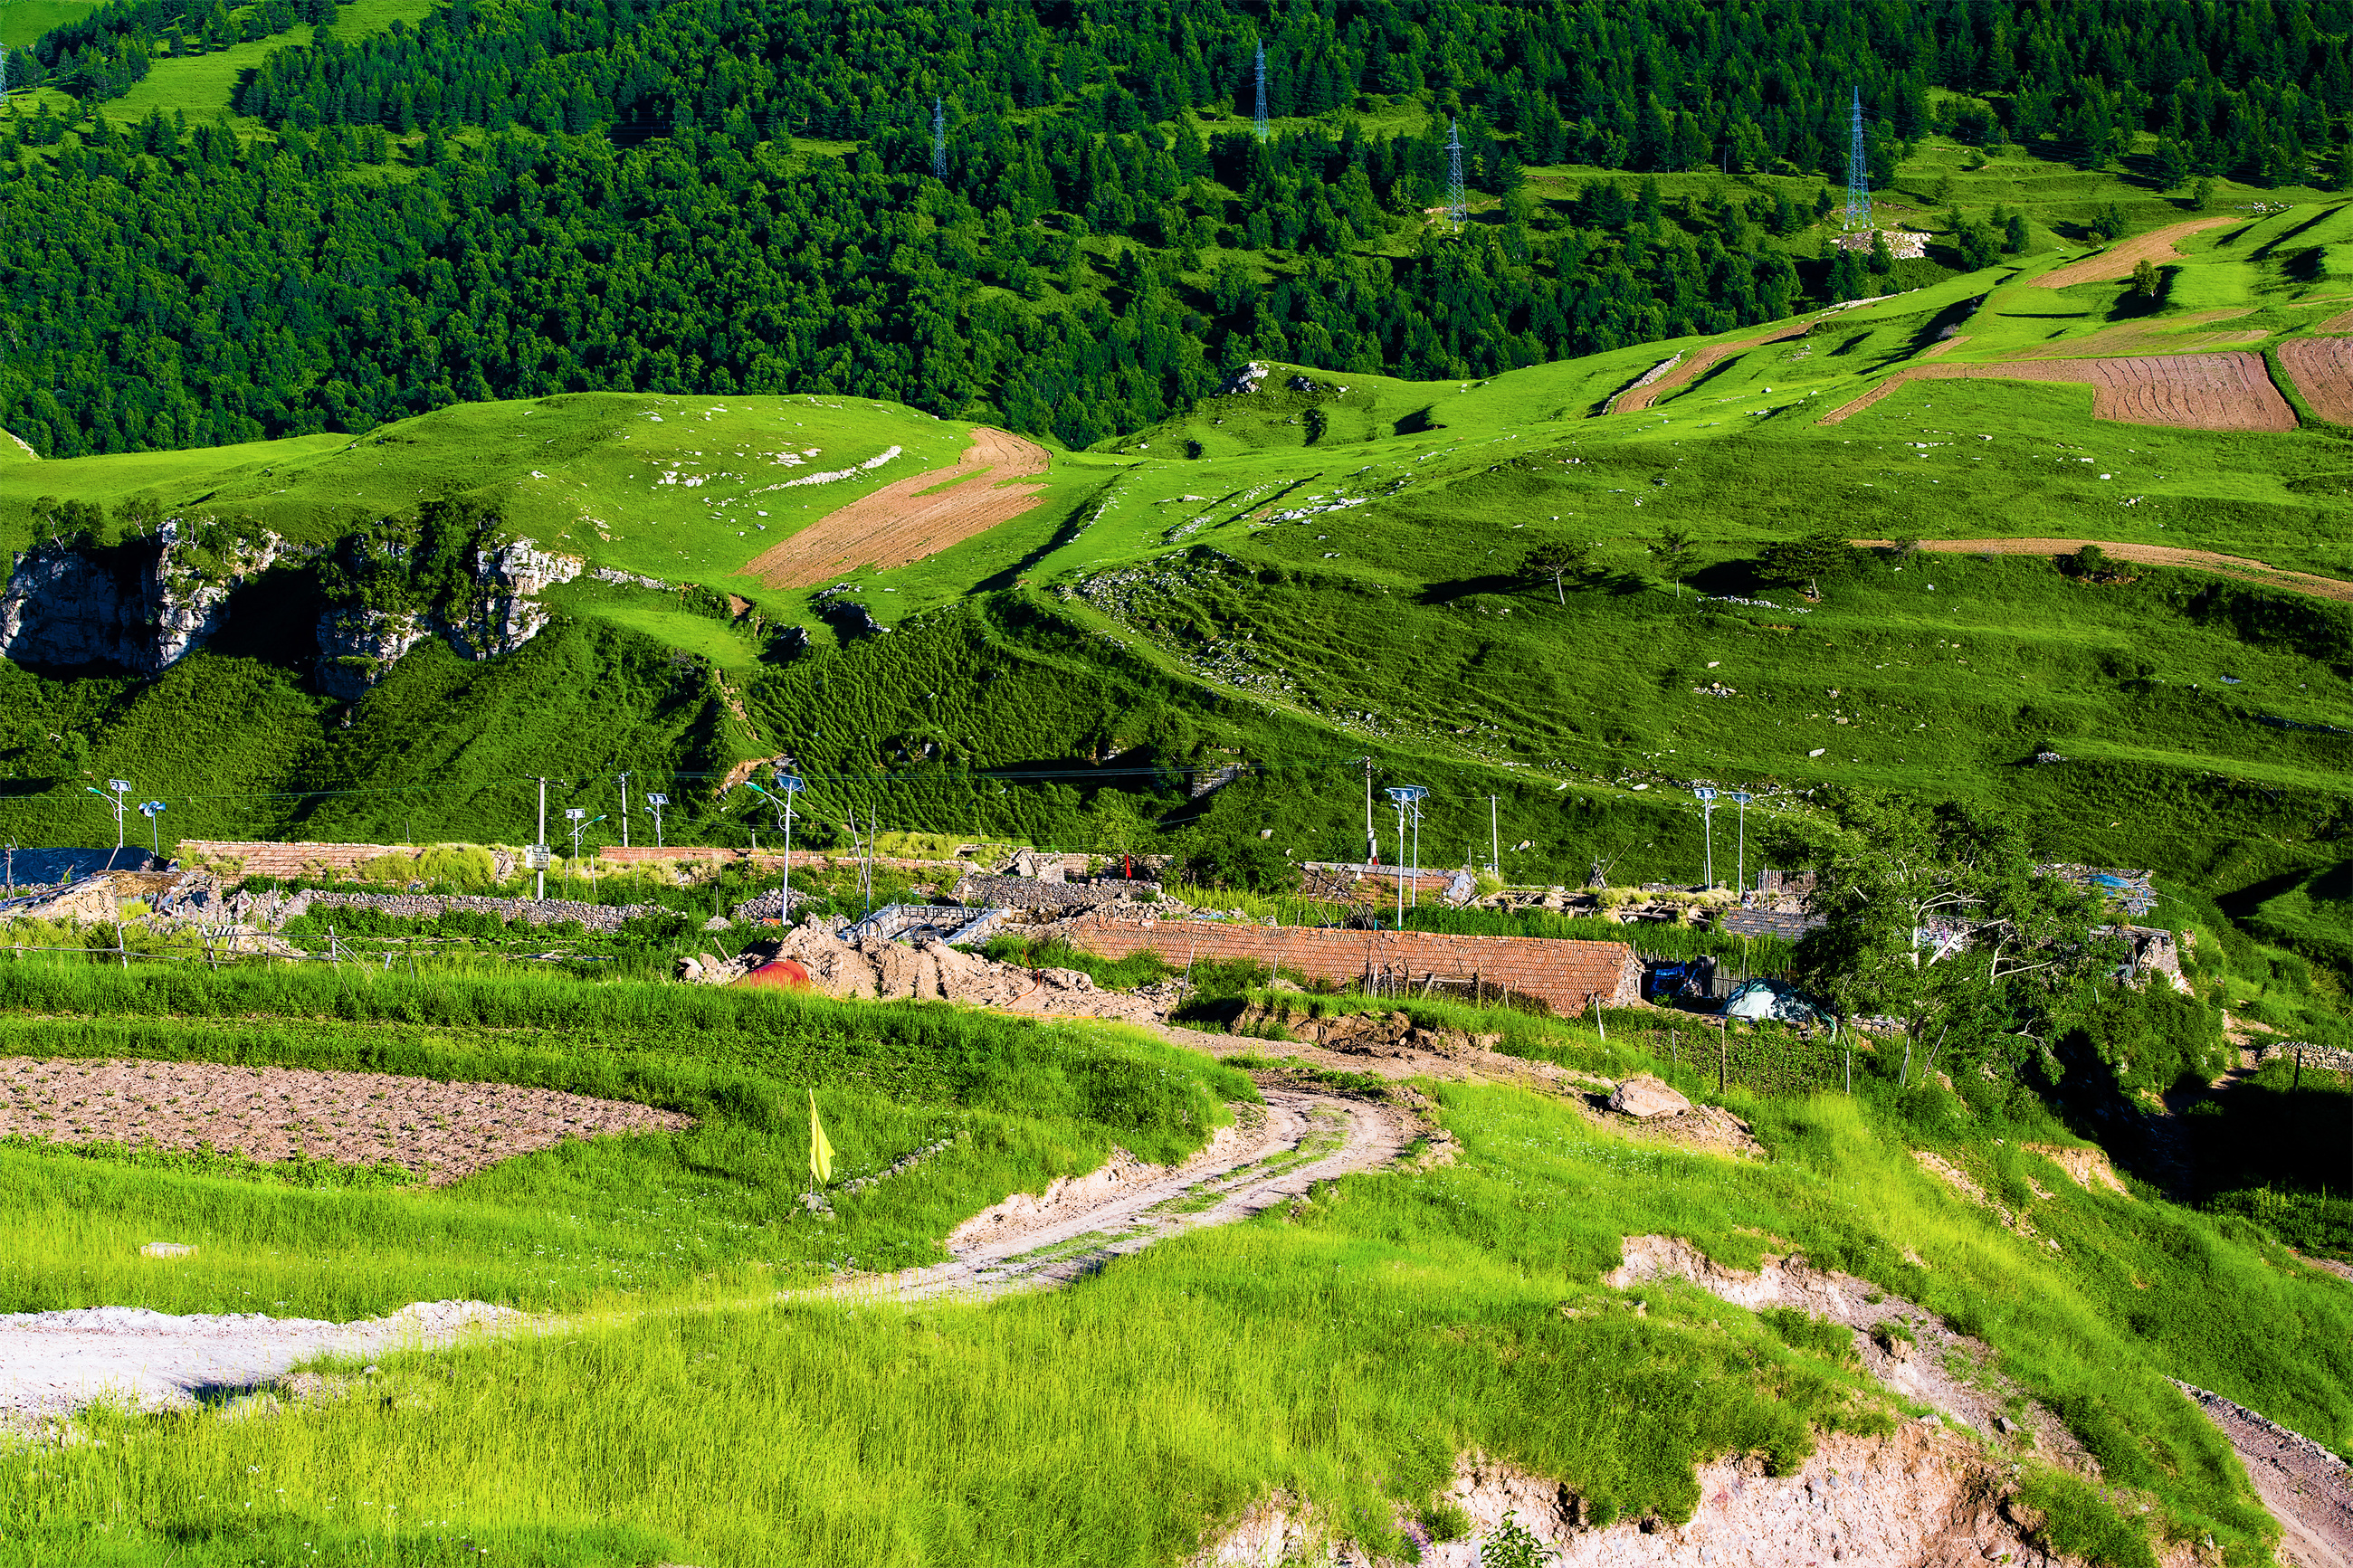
(1567, 974)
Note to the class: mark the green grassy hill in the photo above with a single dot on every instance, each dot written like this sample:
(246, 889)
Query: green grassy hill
(1297, 577)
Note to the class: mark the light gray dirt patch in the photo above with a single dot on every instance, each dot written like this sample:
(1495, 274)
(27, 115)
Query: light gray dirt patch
(54, 1364)
(440, 1130)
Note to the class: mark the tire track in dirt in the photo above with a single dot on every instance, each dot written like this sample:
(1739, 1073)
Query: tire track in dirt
(2228, 391)
(911, 518)
(2321, 369)
(2118, 261)
(1273, 1154)
(2148, 555)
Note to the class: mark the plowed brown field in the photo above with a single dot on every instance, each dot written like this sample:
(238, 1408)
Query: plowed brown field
(2148, 555)
(1690, 370)
(2184, 391)
(2118, 261)
(912, 518)
(2323, 372)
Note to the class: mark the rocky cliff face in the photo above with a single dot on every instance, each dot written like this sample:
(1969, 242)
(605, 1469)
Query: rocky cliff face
(142, 604)
(506, 611)
(358, 647)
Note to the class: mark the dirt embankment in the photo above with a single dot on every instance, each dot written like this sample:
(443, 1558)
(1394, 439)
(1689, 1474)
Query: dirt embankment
(2226, 391)
(440, 1130)
(911, 518)
(1920, 1497)
(2119, 260)
(2238, 567)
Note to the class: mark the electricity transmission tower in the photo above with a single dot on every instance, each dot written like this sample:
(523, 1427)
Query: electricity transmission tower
(1259, 124)
(1858, 173)
(3, 76)
(939, 141)
(1458, 205)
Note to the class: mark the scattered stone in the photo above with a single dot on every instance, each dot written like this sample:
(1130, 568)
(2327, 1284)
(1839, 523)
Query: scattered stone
(1643, 1096)
(168, 1249)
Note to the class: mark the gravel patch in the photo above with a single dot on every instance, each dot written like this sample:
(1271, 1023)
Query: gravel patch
(54, 1364)
(443, 1132)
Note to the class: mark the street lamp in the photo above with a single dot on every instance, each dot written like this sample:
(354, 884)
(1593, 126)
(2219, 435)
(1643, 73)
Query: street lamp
(1707, 819)
(122, 788)
(787, 785)
(1407, 797)
(654, 803)
(150, 810)
(1740, 865)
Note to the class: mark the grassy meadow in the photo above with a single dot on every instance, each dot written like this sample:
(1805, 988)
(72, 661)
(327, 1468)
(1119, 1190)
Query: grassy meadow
(1344, 1349)
(710, 1210)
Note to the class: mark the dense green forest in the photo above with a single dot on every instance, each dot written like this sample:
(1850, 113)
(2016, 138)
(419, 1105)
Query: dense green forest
(539, 196)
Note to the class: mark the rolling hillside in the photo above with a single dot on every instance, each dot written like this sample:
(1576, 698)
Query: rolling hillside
(1329, 566)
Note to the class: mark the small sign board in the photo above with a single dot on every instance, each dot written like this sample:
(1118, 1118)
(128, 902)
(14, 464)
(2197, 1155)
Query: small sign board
(535, 857)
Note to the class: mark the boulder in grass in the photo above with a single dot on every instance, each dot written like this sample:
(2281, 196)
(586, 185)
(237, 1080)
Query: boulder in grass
(1645, 1096)
(168, 1249)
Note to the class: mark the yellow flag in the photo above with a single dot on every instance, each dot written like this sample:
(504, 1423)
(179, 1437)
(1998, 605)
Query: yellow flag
(820, 1152)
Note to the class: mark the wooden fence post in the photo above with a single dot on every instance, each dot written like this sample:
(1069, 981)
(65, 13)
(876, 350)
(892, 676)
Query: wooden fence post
(1723, 1055)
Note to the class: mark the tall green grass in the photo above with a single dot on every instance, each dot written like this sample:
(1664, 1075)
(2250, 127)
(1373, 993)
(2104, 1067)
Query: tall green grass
(714, 1207)
(1346, 1351)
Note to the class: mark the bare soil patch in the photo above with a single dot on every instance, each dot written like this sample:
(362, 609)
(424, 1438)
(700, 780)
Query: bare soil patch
(2148, 555)
(1692, 367)
(2119, 260)
(441, 1130)
(2321, 369)
(2224, 391)
(913, 517)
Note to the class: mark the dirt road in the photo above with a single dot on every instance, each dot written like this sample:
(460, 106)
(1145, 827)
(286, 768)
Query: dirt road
(54, 1364)
(2307, 1488)
(2118, 261)
(2148, 555)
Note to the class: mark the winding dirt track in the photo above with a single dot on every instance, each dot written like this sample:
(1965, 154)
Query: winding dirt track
(1302, 1137)
(2148, 555)
(2307, 1488)
(2225, 391)
(1692, 366)
(54, 1364)
(2118, 261)
(911, 518)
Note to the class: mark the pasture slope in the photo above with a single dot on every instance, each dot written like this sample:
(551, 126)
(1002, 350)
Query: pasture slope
(1201, 628)
(658, 1318)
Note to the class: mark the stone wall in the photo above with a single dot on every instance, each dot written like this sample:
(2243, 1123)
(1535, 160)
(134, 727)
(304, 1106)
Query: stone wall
(1567, 975)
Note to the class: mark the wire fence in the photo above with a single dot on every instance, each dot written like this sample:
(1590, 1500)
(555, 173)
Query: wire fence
(1763, 1057)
